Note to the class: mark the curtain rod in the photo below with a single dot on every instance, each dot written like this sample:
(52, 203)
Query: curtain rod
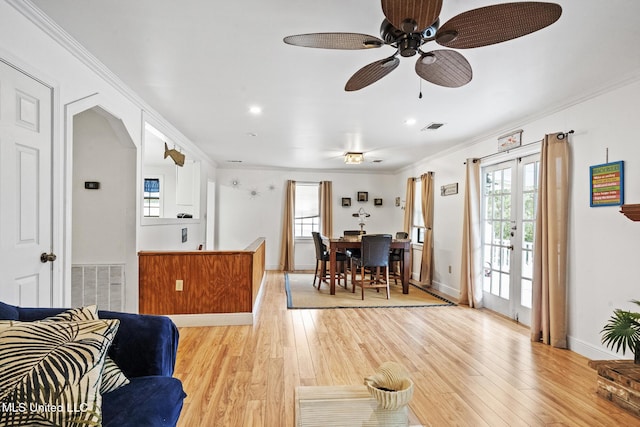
(419, 177)
(560, 135)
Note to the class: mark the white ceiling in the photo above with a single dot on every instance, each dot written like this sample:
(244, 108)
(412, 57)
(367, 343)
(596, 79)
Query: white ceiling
(201, 64)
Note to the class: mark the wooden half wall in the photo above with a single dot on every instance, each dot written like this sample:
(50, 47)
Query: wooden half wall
(212, 282)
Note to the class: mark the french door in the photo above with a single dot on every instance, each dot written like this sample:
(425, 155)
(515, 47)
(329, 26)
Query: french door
(509, 204)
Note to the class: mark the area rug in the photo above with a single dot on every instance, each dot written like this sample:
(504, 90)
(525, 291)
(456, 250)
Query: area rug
(302, 294)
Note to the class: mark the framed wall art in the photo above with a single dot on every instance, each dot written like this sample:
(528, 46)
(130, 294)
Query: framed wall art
(607, 184)
(346, 202)
(377, 202)
(363, 196)
(510, 140)
(449, 189)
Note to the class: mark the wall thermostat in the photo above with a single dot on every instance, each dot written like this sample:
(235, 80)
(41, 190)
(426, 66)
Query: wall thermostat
(91, 185)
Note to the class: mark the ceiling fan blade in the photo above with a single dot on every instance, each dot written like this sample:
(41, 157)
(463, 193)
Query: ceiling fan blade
(444, 68)
(371, 73)
(346, 41)
(411, 16)
(495, 24)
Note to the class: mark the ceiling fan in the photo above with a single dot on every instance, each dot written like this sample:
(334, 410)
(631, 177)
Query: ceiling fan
(410, 24)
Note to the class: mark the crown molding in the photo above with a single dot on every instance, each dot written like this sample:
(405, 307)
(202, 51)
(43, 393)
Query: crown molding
(66, 41)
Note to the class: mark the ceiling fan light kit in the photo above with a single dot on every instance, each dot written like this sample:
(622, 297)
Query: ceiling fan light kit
(353, 158)
(428, 58)
(410, 24)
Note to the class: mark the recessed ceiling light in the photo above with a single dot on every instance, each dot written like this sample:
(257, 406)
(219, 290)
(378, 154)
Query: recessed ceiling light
(410, 122)
(254, 109)
(252, 134)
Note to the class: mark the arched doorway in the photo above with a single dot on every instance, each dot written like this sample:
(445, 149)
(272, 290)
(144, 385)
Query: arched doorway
(101, 217)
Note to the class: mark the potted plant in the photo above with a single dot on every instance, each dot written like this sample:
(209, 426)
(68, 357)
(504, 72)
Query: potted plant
(622, 331)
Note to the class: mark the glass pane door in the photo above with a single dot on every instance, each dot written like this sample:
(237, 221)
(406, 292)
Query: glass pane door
(529, 170)
(509, 197)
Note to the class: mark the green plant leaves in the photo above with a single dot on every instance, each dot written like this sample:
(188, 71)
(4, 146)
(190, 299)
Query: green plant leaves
(622, 331)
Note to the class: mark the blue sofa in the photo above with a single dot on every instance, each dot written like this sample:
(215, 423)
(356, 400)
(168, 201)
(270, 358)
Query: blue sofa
(145, 349)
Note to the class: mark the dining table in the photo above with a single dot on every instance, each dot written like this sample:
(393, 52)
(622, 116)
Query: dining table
(339, 244)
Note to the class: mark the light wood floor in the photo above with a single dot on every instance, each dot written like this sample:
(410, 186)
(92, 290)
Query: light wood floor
(470, 367)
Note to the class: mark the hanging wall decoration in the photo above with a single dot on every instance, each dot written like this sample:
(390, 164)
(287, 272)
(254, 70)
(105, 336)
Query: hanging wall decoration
(607, 184)
(253, 193)
(449, 189)
(510, 140)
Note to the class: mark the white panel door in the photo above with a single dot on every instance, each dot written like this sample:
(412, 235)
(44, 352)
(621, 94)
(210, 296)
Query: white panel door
(25, 189)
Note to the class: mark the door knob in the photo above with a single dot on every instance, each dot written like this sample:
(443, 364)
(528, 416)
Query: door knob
(45, 257)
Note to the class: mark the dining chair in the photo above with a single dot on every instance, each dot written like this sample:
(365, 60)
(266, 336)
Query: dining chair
(355, 251)
(396, 258)
(322, 259)
(374, 253)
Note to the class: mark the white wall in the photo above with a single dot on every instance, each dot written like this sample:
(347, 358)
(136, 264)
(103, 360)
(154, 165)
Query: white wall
(104, 220)
(603, 244)
(242, 217)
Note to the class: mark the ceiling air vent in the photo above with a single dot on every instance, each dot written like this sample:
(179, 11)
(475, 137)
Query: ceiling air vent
(432, 126)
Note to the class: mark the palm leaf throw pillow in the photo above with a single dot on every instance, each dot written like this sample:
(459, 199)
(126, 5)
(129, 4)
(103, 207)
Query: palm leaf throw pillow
(51, 372)
(112, 376)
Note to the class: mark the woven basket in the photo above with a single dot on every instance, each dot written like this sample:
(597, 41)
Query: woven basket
(391, 399)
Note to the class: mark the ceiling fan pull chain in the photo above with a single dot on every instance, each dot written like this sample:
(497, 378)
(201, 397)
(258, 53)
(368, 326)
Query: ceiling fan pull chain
(420, 95)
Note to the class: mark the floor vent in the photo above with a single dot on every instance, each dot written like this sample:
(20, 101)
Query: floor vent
(102, 285)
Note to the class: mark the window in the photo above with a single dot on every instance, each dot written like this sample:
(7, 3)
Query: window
(307, 210)
(418, 220)
(151, 207)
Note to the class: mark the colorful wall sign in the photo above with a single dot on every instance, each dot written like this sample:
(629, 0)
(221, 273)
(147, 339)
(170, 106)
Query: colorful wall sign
(607, 184)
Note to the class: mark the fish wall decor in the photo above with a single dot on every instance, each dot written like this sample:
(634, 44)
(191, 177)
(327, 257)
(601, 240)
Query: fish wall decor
(175, 155)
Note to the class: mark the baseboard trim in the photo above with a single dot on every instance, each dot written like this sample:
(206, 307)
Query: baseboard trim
(446, 290)
(211, 319)
(589, 351)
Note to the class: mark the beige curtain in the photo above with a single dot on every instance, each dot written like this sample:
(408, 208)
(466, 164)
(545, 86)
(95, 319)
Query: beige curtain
(471, 268)
(408, 206)
(549, 305)
(326, 209)
(426, 269)
(288, 215)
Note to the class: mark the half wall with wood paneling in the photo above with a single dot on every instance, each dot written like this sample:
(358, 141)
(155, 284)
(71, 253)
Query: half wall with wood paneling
(201, 282)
